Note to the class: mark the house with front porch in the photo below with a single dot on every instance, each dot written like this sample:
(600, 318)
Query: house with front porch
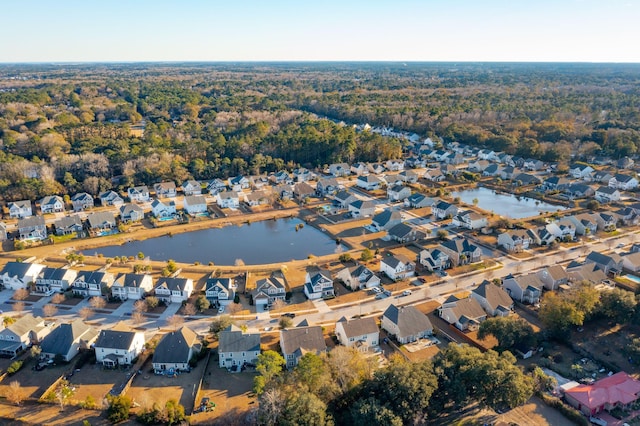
(397, 266)
(131, 286)
(434, 259)
(92, 283)
(17, 275)
(369, 182)
(406, 324)
(220, 291)
(52, 204)
(118, 346)
(130, 213)
(165, 189)
(82, 201)
(32, 228)
(54, 280)
(21, 334)
(20, 209)
(442, 210)
(110, 198)
(465, 314)
(138, 194)
(195, 205)
(361, 334)
(493, 299)
(175, 350)
(318, 284)
(461, 251)
(191, 187)
(524, 288)
(173, 289)
(268, 290)
(470, 219)
(237, 348)
(358, 277)
(68, 225)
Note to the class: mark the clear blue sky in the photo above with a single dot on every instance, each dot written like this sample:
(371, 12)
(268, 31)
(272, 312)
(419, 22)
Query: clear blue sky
(346, 30)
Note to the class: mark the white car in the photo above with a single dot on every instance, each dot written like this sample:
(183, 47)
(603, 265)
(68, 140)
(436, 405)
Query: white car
(376, 290)
(221, 309)
(406, 292)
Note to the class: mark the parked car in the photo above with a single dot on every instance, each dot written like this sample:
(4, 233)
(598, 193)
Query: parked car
(406, 292)
(289, 315)
(221, 309)
(386, 293)
(376, 290)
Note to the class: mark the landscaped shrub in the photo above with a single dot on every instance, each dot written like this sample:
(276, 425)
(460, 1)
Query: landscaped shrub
(570, 413)
(14, 367)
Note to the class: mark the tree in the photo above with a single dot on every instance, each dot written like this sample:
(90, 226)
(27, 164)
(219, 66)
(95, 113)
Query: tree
(7, 321)
(119, 407)
(97, 302)
(189, 309)
(85, 312)
(366, 255)
(35, 352)
(233, 308)
(63, 393)
(58, 298)
(271, 406)
(278, 304)
(541, 381)
(140, 255)
(348, 368)
(509, 331)
(173, 413)
(202, 303)
(16, 394)
(304, 408)
(370, 411)
(20, 294)
(220, 323)
(175, 321)
(152, 302)
(140, 306)
(442, 234)
(285, 322)
(18, 306)
(345, 257)
(49, 310)
(268, 366)
(617, 304)
(137, 317)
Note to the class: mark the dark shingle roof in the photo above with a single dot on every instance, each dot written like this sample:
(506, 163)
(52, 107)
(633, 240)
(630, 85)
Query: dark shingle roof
(175, 346)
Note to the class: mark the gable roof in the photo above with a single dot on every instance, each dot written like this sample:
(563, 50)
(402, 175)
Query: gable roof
(26, 324)
(359, 326)
(409, 319)
(115, 339)
(619, 388)
(175, 346)
(233, 339)
(302, 339)
(61, 338)
(493, 294)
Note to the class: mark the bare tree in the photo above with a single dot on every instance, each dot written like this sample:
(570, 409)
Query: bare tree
(175, 321)
(20, 294)
(58, 298)
(234, 308)
(49, 310)
(189, 309)
(64, 392)
(85, 313)
(18, 306)
(271, 405)
(97, 302)
(137, 317)
(140, 306)
(16, 394)
(278, 304)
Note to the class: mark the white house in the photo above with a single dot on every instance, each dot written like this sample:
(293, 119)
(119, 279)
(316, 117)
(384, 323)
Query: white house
(195, 204)
(220, 291)
(236, 348)
(174, 290)
(340, 169)
(92, 283)
(191, 187)
(238, 183)
(66, 340)
(138, 194)
(607, 194)
(581, 171)
(52, 204)
(131, 286)
(24, 332)
(118, 346)
(228, 200)
(17, 275)
(110, 198)
(360, 333)
(162, 210)
(398, 192)
(20, 209)
(434, 259)
(362, 208)
(318, 284)
(397, 266)
(406, 323)
(54, 280)
(82, 201)
(268, 290)
(165, 190)
(175, 350)
(358, 277)
(368, 182)
(624, 182)
(470, 219)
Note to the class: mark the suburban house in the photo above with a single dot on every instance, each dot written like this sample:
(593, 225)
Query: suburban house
(358, 277)
(602, 177)
(54, 280)
(343, 198)
(302, 191)
(297, 341)
(579, 190)
(318, 284)
(360, 333)
(631, 262)
(607, 194)
(386, 220)
(553, 277)
(220, 291)
(228, 200)
(32, 228)
(118, 346)
(590, 272)
(236, 348)
(403, 233)
(617, 391)
(163, 210)
(165, 190)
(434, 175)
(302, 175)
(461, 251)
(340, 169)
(605, 221)
(131, 213)
(397, 266)
(92, 283)
(408, 176)
(3, 231)
(20, 209)
(610, 264)
(443, 210)
(139, 194)
(238, 183)
(517, 240)
(131, 286)
(66, 340)
(376, 168)
(281, 177)
(525, 179)
(524, 288)
(359, 169)
(215, 186)
(584, 223)
(68, 225)
(268, 290)
(470, 219)
(362, 208)
(624, 182)
(174, 351)
(17, 275)
(110, 198)
(82, 201)
(24, 332)
(327, 186)
(174, 290)
(191, 187)
(555, 183)
(406, 323)
(101, 221)
(417, 201)
(581, 171)
(52, 204)
(434, 259)
(464, 314)
(258, 198)
(493, 299)
(398, 192)
(195, 204)
(394, 165)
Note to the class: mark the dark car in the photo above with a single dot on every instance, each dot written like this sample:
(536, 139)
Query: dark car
(289, 315)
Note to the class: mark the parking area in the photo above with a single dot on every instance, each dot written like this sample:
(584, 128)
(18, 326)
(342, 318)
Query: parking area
(34, 383)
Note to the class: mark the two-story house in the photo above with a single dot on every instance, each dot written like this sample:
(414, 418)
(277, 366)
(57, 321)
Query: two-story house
(92, 283)
(110, 198)
(228, 200)
(398, 193)
(131, 286)
(32, 228)
(297, 341)
(165, 189)
(470, 219)
(464, 314)
(216, 186)
(611, 264)
(101, 221)
(318, 283)
(327, 186)
(406, 323)
(369, 182)
(358, 277)
(434, 259)
(174, 351)
(54, 280)
(302, 191)
(82, 201)
(623, 182)
(268, 290)
(173, 290)
(20, 209)
(67, 339)
(404, 233)
(517, 240)
(418, 201)
(16, 275)
(163, 210)
(138, 194)
(238, 183)
(191, 187)
(461, 251)
(553, 277)
(220, 291)
(68, 225)
(397, 266)
(607, 194)
(343, 198)
(442, 210)
(581, 171)
(493, 299)
(52, 204)
(118, 346)
(237, 348)
(195, 204)
(340, 169)
(361, 334)
(24, 332)
(362, 208)
(524, 288)
(386, 220)
(131, 213)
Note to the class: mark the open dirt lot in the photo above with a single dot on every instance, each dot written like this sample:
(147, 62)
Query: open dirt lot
(92, 380)
(34, 383)
(32, 413)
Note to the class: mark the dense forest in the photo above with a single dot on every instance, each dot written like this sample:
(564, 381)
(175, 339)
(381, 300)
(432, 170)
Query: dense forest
(68, 128)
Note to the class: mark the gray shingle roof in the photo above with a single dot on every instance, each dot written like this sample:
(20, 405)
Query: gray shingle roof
(303, 339)
(409, 319)
(59, 341)
(115, 339)
(174, 346)
(231, 340)
(359, 326)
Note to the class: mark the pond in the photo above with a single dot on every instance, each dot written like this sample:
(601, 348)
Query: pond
(507, 205)
(269, 241)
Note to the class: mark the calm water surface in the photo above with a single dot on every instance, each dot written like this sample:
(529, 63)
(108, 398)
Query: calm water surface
(270, 241)
(507, 205)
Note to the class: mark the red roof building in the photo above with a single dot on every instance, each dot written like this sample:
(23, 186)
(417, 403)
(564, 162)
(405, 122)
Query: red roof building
(605, 394)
